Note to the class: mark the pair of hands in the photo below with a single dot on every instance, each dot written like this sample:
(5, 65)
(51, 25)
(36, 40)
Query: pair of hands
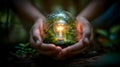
(84, 34)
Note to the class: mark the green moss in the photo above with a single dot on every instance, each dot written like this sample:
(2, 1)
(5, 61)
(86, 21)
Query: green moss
(69, 34)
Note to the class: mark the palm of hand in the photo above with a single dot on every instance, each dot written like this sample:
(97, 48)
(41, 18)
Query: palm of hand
(84, 36)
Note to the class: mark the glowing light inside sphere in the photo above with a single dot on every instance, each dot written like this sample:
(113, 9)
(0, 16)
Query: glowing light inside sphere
(61, 28)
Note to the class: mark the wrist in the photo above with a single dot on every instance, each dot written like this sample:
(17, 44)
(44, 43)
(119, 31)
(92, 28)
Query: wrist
(80, 17)
(89, 18)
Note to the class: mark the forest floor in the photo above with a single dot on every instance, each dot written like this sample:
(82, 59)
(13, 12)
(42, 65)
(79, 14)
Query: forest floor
(91, 59)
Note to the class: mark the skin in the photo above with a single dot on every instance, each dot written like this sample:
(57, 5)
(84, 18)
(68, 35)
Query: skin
(84, 28)
(36, 41)
(36, 20)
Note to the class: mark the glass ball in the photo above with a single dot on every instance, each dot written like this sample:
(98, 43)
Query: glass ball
(60, 28)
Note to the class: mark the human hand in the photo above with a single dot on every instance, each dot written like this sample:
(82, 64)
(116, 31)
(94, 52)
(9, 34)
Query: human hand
(36, 35)
(84, 36)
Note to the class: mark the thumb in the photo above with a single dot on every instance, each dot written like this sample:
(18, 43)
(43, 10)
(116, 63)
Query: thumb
(37, 40)
(41, 28)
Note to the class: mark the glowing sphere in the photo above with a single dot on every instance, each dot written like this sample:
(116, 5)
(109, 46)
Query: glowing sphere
(60, 28)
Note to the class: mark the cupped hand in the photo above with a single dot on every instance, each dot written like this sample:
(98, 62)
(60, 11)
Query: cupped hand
(36, 35)
(84, 36)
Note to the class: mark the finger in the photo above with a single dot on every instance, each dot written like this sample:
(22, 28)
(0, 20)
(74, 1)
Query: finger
(55, 51)
(86, 25)
(50, 50)
(87, 29)
(58, 48)
(36, 35)
(79, 31)
(71, 50)
(32, 42)
(35, 44)
(35, 39)
(46, 47)
(50, 47)
(41, 28)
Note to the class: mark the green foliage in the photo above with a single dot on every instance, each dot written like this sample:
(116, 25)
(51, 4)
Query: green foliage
(102, 32)
(108, 37)
(70, 30)
(115, 29)
(70, 36)
(25, 51)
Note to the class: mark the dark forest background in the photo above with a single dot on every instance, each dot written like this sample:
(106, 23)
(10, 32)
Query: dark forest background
(15, 49)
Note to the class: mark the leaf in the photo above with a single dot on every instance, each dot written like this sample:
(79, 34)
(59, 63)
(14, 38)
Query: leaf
(27, 44)
(115, 29)
(24, 45)
(102, 32)
(21, 44)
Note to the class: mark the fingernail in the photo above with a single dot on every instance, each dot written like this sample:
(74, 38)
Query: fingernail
(86, 41)
(59, 48)
(38, 42)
